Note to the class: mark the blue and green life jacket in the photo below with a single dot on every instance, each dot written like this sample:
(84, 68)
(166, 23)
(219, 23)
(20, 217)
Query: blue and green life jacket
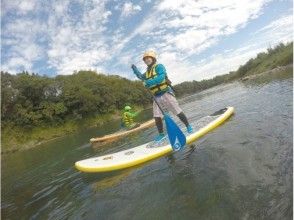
(162, 87)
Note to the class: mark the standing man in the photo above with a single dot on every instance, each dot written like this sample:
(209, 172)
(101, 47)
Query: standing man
(156, 80)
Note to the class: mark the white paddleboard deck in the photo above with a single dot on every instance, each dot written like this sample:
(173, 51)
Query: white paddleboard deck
(150, 151)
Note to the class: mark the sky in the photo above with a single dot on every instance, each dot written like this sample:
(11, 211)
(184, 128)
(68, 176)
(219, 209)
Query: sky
(194, 40)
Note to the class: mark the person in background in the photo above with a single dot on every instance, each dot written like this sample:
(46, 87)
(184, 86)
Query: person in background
(156, 80)
(128, 118)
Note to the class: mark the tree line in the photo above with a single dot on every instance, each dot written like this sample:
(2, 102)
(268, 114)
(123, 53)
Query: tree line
(30, 100)
(33, 100)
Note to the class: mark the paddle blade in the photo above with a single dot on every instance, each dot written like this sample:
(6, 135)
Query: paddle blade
(176, 137)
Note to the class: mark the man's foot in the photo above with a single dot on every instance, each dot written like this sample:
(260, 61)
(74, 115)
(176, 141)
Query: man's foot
(159, 137)
(189, 129)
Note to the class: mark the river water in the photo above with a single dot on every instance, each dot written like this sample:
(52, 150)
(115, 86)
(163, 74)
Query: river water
(241, 170)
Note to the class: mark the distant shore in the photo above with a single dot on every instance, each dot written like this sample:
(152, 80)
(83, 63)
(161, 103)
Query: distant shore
(277, 69)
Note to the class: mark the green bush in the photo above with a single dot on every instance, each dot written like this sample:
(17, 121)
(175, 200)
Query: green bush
(33, 100)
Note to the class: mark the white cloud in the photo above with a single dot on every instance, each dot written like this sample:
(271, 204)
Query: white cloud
(82, 44)
(219, 64)
(70, 41)
(20, 37)
(190, 27)
(19, 6)
(26, 6)
(279, 30)
(178, 30)
(194, 23)
(15, 64)
(283, 24)
(129, 8)
(60, 8)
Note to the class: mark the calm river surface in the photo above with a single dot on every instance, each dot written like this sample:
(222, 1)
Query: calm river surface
(242, 170)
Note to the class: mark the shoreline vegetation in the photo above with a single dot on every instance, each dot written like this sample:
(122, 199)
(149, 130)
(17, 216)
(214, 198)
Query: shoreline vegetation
(36, 109)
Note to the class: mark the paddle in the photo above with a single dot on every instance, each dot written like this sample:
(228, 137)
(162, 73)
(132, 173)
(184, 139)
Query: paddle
(176, 137)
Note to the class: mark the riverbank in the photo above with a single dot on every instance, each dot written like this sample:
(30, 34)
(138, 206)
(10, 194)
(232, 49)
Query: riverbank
(15, 138)
(272, 71)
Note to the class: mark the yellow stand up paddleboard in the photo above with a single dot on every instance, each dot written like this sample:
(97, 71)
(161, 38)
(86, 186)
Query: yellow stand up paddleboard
(149, 151)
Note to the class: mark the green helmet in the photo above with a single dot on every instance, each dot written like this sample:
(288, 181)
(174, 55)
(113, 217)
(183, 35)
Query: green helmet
(127, 108)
